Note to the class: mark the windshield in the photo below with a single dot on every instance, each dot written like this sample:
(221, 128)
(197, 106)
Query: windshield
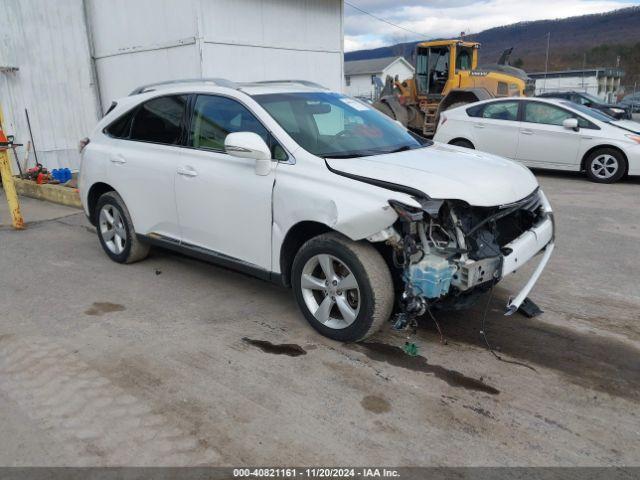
(597, 114)
(591, 98)
(333, 125)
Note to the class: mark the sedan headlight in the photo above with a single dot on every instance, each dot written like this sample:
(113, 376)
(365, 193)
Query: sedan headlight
(617, 110)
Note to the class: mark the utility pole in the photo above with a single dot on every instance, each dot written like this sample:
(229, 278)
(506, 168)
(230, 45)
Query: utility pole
(584, 66)
(546, 63)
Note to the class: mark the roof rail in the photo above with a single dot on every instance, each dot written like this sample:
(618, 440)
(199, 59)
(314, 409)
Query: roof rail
(306, 83)
(220, 82)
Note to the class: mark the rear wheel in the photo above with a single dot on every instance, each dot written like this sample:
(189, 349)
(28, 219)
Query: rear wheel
(605, 165)
(115, 230)
(461, 142)
(343, 288)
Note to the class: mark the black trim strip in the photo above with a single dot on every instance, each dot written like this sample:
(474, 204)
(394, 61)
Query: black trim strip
(211, 256)
(381, 183)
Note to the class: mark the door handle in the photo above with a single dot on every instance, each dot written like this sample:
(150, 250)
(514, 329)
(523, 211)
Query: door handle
(526, 132)
(478, 125)
(117, 159)
(187, 171)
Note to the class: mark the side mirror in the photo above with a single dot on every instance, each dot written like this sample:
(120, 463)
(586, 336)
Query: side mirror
(249, 145)
(570, 124)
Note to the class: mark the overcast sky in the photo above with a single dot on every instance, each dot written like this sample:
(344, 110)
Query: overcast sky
(447, 18)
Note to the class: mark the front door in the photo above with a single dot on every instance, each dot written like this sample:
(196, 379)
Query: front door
(544, 142)
(223, 206)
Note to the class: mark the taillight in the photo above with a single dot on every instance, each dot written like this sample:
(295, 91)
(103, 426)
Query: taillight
(83, 143)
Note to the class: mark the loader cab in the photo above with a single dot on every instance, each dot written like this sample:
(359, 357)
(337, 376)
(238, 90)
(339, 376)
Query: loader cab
(433, 65)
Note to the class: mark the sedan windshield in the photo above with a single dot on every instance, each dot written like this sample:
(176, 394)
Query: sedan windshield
(336, 126)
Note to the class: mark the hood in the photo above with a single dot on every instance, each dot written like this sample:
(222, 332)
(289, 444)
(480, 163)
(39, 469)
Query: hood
(630, 125)
(446, 172)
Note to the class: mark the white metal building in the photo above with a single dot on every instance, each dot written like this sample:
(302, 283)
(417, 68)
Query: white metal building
(67, 60)
(601, 82)
(359, 75)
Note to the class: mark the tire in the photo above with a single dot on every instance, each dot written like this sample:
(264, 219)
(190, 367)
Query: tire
(461, 142)
(110, 232)
(605, 165)
(370, 303)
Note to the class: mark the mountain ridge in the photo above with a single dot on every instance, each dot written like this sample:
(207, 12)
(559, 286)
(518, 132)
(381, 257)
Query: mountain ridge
(584, 40)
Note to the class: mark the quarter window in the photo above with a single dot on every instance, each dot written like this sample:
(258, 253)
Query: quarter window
(501, 111)
(121, 128)
(535, 112)
(160, 120)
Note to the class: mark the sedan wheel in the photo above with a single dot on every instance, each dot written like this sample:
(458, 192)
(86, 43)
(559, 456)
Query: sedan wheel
(604, 166)
(330, 291)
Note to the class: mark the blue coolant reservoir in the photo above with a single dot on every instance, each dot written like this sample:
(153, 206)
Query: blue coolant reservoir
(431, 277)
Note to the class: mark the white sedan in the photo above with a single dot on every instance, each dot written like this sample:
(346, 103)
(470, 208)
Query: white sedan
(547, 133)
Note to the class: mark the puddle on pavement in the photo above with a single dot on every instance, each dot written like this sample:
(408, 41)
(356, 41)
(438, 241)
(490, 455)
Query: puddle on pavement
(395, 356)
(290, 349)
(100, 308)
(375, 404)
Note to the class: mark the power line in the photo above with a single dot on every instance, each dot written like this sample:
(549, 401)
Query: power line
(383, 20)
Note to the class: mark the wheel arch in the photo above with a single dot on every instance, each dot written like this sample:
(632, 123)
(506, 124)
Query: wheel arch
(464, 139)
(95, 192)
(297, 235)
(583, 162)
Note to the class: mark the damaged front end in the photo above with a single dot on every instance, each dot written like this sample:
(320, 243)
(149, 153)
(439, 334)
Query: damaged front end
(447, 252)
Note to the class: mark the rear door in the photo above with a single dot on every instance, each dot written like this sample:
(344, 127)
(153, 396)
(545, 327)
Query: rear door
(143, 159)
(496, 128)
(544, 142)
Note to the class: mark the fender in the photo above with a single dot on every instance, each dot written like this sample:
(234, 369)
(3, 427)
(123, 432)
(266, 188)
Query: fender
(352, 207)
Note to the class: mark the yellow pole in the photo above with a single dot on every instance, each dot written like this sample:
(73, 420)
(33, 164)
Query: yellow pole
(7, 181)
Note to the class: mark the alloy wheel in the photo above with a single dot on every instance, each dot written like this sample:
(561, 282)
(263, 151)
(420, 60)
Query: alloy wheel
(330, 291)
(112, 229)
(604, 166)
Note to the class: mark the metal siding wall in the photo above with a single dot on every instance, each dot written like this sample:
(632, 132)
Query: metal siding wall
(242, 63)
(142, 42)
(47, 41)
(273, 39)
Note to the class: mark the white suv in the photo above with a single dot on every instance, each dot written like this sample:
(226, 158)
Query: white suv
(314, 190)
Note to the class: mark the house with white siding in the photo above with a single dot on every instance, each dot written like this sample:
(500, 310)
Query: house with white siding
(65, 61)
(360, 75)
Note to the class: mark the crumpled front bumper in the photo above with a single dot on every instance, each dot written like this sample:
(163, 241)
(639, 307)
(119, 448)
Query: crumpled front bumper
(539, 239)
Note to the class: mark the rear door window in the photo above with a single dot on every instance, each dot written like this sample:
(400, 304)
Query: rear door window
(160, 120)
(501, 111)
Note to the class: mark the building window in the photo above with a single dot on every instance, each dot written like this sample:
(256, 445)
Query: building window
(348, 80)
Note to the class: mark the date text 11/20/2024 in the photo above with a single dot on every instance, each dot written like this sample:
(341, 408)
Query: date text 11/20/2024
(315, 473)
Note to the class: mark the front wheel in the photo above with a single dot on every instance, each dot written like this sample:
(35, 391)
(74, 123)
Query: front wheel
(343, 288)
(606, 165)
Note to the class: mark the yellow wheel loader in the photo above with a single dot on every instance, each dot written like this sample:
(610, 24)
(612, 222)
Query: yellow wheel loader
(447, 76)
